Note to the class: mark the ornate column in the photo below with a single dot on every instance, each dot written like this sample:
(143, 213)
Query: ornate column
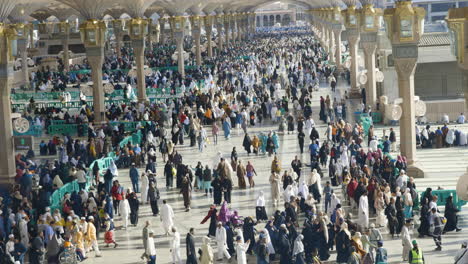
(233, 24)
(177, 27)
(150, 33)
(240, 27)
(196, 34)
(351, 19)
(404, 29)
(253, 25)
(227, 20)
(138, 29)
(42, 28)
(93, 37)
(219, 28)
(331, 46)
(22, 46)
(326, 36)
(7, 155)
(209, 31)
(162, 30)
(369, 29)
(64, 28)
(157, 33)
(457, 20)
(118, 25)
(337, 28)
(337, 33)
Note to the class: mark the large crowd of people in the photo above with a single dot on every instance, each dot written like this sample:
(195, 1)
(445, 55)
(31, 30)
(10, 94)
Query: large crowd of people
(321, 205)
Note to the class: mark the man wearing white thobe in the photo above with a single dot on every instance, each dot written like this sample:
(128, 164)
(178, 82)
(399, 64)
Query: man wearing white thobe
(363, 212)
(241, 248)
(406, 240)
(221, 242)
(124, 209)
(144, 188)
(175, 248)
(309, 124)
(167, 217)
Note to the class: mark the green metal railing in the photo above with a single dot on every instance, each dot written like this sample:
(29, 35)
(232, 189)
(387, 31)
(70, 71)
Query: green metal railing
(67, 129)
(103, 164)
(442, 196)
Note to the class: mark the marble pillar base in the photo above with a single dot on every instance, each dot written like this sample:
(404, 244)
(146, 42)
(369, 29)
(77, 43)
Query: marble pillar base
(355, 94)
(415, 170)
(7, 181)
(352, 105)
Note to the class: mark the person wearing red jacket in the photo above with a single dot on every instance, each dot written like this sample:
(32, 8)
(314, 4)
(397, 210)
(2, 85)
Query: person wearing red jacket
(350, 190)
(117, 193)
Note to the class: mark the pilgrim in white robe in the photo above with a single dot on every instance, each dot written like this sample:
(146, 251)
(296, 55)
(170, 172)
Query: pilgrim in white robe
(363, 212)
(221, 241)
(241, 249)
(167, 217)
(144, 188)
(124, 209)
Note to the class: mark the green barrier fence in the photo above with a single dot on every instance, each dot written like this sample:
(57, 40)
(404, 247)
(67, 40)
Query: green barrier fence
(34, 130)
(67, 129)
(43, 96)
(103, 164)
(442, 196)
(172, 68)
(56, 197)
(376, 117)
(75, 95)
(128, 126)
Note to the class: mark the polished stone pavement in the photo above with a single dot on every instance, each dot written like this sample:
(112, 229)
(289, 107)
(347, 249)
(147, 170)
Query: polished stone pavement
(443, 166)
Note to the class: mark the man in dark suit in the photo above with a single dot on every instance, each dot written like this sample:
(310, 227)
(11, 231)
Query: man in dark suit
(190, 242)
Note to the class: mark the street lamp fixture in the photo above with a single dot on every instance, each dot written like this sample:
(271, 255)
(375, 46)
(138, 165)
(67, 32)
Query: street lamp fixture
(93, 33)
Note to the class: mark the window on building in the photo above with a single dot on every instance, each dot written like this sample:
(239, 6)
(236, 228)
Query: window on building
(425, 6)
(437, 18)
(463, 4)
(442, 7)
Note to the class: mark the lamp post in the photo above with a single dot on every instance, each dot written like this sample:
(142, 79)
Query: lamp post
(352, 31)
(195, 21)
(457, 20)
(370, 24)
(93, 36)
(138, 29)
(177, 27)
(404, 29)
(7, 161)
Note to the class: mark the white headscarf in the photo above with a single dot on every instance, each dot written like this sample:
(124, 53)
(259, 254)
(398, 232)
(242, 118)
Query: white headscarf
(288, 193)
(298, 245)
(113, 169)
(261, 199)
(303, 189)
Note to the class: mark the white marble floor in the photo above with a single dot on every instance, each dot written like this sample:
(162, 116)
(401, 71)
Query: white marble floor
(437, 162)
